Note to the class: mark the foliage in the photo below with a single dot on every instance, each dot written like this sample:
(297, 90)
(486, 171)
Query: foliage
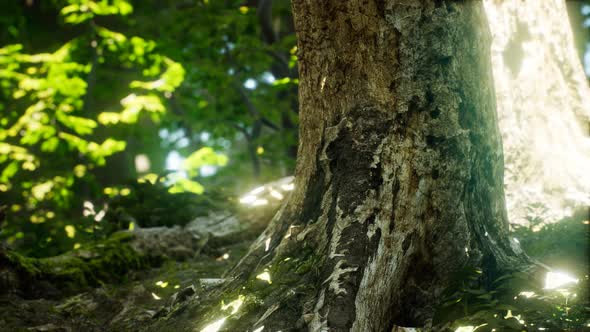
(128, 211)
(239, 88)
(58, 131)
(548, 242)
(81, 94)
(517, 301)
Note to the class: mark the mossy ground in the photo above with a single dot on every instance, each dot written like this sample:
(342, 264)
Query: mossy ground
(293, 278)
(104, 288)
(78, 270)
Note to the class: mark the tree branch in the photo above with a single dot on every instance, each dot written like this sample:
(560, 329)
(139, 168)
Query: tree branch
(265, 18)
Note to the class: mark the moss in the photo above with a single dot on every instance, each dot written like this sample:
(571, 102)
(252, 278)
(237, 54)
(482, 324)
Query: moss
(120, 237)
(292, 268)
(22, 263)
(107, 261)
(131, 301)
(294, 276)
(116, 258)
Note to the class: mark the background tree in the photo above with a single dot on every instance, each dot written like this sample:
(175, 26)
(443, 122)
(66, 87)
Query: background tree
(543, 107)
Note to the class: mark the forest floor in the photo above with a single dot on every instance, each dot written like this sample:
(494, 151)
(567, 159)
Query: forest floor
(181, 268)
(174, 273)
(123, 306)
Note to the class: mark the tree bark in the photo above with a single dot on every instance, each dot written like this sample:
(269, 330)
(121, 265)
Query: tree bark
(399, 177)
(543, 107)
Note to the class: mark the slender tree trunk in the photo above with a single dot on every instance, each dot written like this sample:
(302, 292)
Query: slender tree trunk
(279, 69)
(254, 159)
(399, 177)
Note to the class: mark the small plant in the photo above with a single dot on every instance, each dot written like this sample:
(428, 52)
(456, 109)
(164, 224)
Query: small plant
(518, 301)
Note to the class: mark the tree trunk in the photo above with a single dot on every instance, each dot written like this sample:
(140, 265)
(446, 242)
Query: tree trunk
(399, 178)
(543, 108)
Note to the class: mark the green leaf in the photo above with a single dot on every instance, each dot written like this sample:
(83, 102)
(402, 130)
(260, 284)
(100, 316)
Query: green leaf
(9, 171)
(202, 157)
(82, 126)
(186, 185)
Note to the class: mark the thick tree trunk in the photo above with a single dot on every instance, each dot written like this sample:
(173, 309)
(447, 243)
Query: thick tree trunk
(543, 107)
(399, 178)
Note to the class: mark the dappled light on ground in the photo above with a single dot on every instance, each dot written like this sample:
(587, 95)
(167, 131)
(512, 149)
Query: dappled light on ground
(264, 276)
(271, 192)
(215, 326)
(469, 328)
(162, 284)
(555, 280)
(267, 244)
(222, 257)
(233, 306)
(517, 317)
(527, 294)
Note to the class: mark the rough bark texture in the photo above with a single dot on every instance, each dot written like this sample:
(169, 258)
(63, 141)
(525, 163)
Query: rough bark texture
(399, 179)
(543, 107)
